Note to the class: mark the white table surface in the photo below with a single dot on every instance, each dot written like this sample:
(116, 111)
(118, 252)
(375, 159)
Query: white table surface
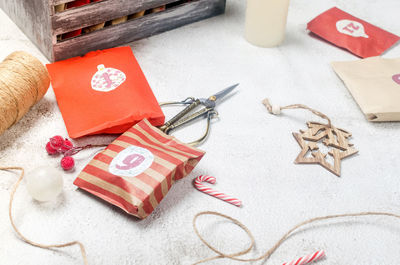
(250, 152)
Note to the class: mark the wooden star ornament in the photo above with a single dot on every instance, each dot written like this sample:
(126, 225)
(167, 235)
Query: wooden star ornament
(334, 138)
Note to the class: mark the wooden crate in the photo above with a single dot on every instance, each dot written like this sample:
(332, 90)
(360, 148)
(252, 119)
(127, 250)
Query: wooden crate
(44, 26)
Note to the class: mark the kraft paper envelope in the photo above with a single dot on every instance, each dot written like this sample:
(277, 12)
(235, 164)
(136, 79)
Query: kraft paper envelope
(375, 85)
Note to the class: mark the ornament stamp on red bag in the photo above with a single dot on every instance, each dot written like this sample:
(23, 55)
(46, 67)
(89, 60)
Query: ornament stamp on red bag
(107, 79)
(351, 28)
(131, 162)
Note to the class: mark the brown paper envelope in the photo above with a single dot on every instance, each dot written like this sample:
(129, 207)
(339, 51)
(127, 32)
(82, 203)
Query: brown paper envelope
(375, 85)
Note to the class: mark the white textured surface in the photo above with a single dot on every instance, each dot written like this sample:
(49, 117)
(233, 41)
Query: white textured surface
(250, 152)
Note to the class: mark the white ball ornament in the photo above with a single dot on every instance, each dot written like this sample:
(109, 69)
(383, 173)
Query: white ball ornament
(44, 183)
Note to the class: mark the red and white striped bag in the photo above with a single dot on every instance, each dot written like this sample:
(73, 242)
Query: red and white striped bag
(136, 171)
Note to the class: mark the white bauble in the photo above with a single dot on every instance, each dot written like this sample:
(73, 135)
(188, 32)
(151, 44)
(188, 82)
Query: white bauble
(44, 183)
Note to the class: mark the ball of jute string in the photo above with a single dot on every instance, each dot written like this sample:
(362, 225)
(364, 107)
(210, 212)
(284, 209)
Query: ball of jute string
(24, 80)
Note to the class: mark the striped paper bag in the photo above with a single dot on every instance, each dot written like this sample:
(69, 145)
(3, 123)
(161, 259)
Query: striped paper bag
(136, 171)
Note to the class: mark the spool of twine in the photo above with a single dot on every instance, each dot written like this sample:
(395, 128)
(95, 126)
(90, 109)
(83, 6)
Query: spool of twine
(24, 80)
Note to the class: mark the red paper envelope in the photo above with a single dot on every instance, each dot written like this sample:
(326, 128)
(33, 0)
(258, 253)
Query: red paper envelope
(351, 33)
(103, 92)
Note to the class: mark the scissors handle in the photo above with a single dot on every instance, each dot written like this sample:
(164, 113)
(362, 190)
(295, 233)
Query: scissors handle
(190, 118)
(210, 115)
(166, 127)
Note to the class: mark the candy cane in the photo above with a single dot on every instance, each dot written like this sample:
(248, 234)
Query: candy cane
(307, 259)
(222, 196)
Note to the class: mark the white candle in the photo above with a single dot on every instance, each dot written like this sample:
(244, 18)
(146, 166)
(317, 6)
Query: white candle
(266, 22)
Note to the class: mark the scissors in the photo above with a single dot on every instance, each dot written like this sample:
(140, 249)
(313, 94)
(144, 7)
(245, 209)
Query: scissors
(187, 115)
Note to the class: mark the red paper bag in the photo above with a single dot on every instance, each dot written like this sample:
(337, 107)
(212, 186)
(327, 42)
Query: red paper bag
(103, 92)
(351, 33)
(136, 171)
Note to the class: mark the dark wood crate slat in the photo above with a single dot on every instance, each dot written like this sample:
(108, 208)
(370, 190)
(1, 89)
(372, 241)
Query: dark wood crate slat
(139, 28)
(34, 18)
(99, 12)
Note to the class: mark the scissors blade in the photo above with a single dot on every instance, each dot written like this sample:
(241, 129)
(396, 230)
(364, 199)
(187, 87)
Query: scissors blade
(224, 92)
(211, 101)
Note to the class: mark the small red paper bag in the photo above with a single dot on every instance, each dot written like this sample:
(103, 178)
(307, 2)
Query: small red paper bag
(103, 92)
(136, 171)
(346, 31)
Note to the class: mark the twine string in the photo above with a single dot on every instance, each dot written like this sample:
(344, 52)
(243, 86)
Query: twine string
(45, 246)
(268, 253)
(220, 254)
(297, 106)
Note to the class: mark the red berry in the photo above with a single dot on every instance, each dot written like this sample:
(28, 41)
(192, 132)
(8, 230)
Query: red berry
(56, 142)
(67, 145)
(67, 163)
(50, 150)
